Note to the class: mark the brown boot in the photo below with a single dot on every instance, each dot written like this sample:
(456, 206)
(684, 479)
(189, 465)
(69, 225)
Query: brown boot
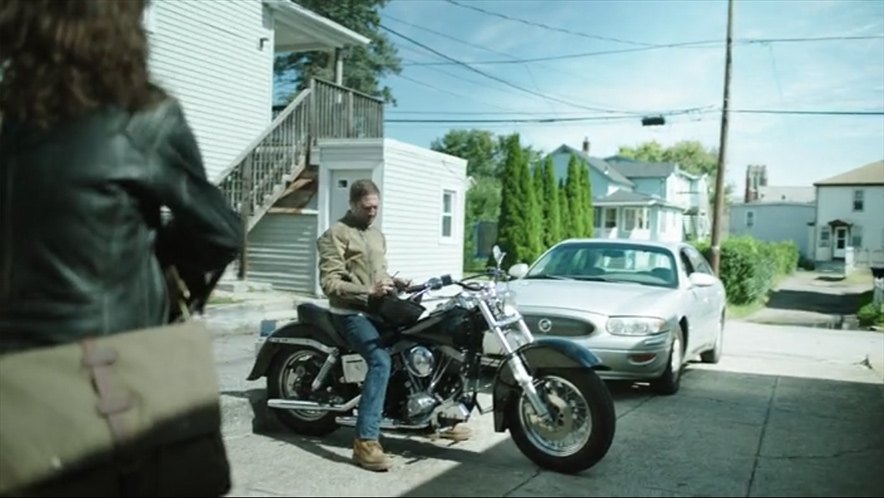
(459, 432)
(369, 454)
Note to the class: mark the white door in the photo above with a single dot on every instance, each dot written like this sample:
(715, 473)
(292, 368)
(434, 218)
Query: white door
(840, 247)
(339, 198)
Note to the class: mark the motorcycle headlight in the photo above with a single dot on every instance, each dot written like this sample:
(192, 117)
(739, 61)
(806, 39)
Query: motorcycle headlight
(507, 300)
(636, 325)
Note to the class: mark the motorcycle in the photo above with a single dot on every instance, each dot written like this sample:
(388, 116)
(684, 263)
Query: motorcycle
(545, 391)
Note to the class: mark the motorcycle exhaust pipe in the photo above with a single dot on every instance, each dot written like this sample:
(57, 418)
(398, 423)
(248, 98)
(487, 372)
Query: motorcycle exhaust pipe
(386, 424)
(295, 404)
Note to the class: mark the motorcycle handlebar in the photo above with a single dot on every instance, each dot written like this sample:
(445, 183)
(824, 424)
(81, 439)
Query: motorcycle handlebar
(434, 283)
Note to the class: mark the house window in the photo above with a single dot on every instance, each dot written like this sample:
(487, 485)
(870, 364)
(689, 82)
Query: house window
(447, 213)
(824, 236)
(629, 219)
(610, 218)
(644, 221)
(597, 217)
(856, 236)
(858, 200)
(635, 218)
(750, 218)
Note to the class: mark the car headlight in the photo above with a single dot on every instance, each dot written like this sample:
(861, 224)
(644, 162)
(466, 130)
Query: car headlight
(636, 325)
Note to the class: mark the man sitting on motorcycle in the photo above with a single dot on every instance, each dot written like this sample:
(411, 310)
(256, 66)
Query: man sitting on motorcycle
(353, 269)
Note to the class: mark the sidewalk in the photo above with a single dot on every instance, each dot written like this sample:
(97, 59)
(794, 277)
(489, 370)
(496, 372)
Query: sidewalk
(814, 299)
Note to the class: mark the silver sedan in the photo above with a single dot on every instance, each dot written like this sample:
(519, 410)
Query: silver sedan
(644, 308)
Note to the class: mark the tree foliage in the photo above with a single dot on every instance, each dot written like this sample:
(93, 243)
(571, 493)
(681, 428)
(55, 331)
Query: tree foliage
(550, 205)
(364, 66)
(691, 155)
(518, 227)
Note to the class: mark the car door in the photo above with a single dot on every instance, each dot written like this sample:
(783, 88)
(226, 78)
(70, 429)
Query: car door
(702, 330)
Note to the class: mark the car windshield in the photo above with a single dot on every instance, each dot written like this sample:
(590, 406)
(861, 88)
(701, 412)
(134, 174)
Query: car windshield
(602, 262)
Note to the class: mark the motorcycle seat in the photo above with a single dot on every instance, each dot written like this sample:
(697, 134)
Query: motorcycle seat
(319, 317)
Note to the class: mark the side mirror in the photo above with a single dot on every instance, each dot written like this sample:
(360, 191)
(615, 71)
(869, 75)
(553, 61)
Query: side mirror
(519, 270)
(702, 279)
(498, 254)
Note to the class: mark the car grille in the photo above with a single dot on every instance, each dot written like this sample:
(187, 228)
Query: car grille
(568, 327)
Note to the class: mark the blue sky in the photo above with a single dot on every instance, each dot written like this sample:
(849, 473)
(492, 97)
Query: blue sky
(798, 150)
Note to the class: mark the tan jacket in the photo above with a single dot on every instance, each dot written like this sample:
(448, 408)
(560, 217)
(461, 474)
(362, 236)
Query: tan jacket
(352, 259)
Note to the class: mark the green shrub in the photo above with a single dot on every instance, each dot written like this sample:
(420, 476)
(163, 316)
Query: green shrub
(869, 314)
(749, 267)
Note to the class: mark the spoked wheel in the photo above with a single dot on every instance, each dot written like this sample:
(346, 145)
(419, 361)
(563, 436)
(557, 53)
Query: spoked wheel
(582, 426)
(290, 377)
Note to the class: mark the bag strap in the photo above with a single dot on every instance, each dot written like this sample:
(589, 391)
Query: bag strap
(112, 403)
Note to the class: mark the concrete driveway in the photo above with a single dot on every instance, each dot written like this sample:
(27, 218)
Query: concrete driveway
(788, 412)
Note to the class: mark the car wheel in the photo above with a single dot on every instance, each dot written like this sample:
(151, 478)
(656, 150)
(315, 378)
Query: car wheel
(670, 381)
(714, 355)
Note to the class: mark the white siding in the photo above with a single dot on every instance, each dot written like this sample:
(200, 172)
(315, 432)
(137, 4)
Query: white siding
(208, 54)
(837, 203)
(774, 222)
(414, 180)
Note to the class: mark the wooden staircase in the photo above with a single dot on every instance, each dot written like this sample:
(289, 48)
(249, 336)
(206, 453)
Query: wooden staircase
(274, 173)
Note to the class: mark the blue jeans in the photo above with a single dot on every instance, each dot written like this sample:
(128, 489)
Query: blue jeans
(364, 338)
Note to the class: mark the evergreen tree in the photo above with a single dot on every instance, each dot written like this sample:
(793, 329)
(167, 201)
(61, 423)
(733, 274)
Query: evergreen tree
(573, 186)
(534, 226)
(519, 223)
(590, 211)
(586, 193)
(567, 230)
(552, 217)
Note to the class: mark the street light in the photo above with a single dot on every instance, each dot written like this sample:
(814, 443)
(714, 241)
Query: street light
(653, 121)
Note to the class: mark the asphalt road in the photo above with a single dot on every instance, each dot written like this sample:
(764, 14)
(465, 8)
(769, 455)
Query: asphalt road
(789, 411)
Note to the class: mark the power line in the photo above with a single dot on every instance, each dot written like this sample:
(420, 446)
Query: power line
(473, 45)
(610, 117)
(646, 45)
(469, 44)
(495, 78)
(551, 28)
(698, 44)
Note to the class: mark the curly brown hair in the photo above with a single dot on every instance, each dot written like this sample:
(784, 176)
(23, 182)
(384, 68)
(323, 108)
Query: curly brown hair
(60, 59)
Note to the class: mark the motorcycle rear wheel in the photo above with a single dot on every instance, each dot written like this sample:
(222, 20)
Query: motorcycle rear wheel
(584, 421)
(280, 384)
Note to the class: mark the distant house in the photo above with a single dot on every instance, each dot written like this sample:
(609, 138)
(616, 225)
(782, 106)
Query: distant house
(639, 200)
(803, 195)
(775, 221)
(850, 216)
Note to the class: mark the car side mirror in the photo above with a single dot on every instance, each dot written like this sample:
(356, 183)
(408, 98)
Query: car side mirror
(518, 271)
(702, 279)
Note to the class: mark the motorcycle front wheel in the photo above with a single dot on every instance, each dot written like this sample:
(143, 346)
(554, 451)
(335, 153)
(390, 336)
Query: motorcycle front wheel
(582, 426)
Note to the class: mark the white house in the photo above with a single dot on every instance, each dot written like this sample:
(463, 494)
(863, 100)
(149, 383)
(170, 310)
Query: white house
(850, 216)
(286, 172)
(639, 200)
(775, 221)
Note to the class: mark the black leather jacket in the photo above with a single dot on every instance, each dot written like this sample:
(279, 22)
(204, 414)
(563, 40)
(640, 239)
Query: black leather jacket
(81, 238)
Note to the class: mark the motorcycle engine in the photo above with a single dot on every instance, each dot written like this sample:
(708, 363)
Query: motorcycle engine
(420, 361)
(420, 404)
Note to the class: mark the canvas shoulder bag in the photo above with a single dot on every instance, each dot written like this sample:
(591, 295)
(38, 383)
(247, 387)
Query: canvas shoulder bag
(108, 399)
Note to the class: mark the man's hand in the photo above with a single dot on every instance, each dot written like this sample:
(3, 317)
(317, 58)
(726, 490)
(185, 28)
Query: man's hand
(401, 284)
(380, 288)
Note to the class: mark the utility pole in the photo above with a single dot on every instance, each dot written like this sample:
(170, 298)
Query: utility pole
(722, 147)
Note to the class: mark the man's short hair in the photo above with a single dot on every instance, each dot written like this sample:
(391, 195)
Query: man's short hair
(362, 188)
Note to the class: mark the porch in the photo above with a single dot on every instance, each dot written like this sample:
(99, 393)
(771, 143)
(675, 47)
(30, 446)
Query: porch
(278, 171)
(623, 215)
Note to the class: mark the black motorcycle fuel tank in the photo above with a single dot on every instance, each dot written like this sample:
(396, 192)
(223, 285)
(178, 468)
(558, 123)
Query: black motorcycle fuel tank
(455, 327)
